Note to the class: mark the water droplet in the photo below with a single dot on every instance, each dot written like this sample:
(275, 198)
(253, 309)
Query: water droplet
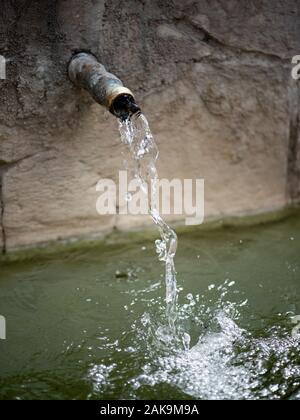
(186, 339)
(128, 197)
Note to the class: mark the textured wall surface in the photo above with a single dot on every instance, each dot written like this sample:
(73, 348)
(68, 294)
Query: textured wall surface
(213, 78)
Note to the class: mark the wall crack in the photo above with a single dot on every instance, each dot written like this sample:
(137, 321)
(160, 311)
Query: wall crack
(211, 39)
(293, 175)
(5, 166)
(2, 210)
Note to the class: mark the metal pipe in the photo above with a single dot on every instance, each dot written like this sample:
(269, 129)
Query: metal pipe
(86, 72)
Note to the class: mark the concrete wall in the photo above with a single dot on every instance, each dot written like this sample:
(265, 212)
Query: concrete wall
(213, 78)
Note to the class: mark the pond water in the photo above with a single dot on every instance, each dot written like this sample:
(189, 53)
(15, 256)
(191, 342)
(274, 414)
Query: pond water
(89, 324)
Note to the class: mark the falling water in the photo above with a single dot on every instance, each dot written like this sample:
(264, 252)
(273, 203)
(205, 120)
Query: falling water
(225, 361)
(136, 134)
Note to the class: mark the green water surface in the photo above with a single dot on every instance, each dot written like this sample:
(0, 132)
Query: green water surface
(82, 324)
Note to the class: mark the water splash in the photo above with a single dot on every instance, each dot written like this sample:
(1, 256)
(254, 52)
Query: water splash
(136, 135)
(225, 361)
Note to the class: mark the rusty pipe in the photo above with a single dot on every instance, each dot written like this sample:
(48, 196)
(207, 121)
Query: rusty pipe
(86, 72)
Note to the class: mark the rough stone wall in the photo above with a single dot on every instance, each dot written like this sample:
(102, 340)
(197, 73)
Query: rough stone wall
(213, 78)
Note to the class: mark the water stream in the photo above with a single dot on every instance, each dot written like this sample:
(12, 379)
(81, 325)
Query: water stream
(136, 135)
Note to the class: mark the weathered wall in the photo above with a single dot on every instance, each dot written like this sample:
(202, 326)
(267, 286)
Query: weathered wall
(213, 78)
